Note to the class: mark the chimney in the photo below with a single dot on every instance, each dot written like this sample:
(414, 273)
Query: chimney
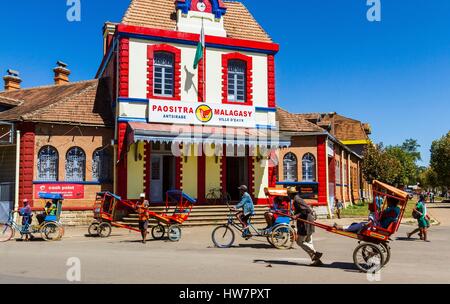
(12, 81)
(61, 73)
(109, 30)
(367, 128)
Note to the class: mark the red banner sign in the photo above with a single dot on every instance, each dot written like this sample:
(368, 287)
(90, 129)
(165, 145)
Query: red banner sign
(69, 191)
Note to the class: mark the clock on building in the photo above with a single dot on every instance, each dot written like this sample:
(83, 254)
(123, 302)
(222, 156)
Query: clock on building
(201, 5)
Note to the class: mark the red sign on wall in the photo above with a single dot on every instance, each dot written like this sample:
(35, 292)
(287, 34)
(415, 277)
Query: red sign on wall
(69, 191)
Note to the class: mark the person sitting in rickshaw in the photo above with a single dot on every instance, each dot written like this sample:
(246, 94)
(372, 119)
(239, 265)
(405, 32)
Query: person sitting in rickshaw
(279, 205)
(248, 209)
(387, 217)
(27, 217)
(49, 209)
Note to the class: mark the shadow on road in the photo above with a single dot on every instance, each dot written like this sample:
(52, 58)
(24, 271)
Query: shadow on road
(34, 239)
(350, 267)
(256, 246)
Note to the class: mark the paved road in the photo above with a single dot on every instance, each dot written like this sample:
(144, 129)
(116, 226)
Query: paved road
(121, 259)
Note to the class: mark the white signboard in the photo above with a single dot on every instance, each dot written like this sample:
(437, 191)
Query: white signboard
(210, 114)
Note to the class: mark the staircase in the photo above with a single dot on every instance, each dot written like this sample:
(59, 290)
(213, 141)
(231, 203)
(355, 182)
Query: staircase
(201, 216)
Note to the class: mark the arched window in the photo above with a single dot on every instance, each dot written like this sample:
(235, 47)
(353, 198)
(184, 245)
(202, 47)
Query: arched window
(290, 167)
(163, 82)
(75, 165)
(47, 164)
(309, 167)
(237, 71)
(101, 165)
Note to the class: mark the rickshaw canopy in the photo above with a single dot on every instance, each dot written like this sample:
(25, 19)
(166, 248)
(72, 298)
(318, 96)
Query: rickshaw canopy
(109, 194)
(390, 190)
(51, 196)
(177, 194)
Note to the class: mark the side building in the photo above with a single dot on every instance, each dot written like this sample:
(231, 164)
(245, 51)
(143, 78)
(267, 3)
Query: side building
(56, 138)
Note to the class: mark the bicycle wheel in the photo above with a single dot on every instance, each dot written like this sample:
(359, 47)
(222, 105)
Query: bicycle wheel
(386, 250)
(223, 236)
(6, 233)
(174, 233)
(52, 231)
(104, 230)
(93, 229)
(282, 237)
(158, 232)
(368, 257)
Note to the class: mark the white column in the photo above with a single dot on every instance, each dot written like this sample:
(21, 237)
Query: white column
(16, 184)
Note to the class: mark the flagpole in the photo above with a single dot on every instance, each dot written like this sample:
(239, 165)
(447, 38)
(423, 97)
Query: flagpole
(204, 63)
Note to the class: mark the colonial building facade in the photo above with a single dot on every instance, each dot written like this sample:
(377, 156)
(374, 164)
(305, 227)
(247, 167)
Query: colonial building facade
(177, 126)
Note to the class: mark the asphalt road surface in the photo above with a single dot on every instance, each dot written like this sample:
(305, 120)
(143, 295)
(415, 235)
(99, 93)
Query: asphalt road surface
(121, 258)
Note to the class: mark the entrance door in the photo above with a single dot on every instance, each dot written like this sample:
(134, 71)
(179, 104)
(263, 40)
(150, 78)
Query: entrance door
(156, 183)
(237, 174)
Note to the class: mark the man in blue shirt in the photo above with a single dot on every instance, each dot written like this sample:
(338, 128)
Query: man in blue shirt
(246, 204)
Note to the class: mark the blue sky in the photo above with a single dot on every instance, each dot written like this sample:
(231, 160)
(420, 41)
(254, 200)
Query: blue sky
(394, 74)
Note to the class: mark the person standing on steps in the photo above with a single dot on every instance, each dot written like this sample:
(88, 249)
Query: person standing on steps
(142, 209)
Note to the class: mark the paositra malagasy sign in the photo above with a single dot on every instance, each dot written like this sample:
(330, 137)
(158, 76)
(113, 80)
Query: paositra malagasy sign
(211, 114)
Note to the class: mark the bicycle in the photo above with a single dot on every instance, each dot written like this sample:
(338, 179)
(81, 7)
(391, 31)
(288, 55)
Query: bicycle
(280, 236)
(216, 196)
(50, 230)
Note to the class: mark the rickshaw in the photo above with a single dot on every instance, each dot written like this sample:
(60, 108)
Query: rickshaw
(373, 251)
(183, 208)
(280, 235)
(110, 208)
(50, 229)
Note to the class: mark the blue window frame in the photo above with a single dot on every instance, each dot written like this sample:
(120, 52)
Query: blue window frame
(75, 165)
(47, 164)
(163, 82)
(290, 167)
(101, 165)
(309, 168)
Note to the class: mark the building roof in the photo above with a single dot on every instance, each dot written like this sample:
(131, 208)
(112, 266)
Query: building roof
(161, 14)
(85, 102)
(9, 101)
(295, 123)
(343, 128)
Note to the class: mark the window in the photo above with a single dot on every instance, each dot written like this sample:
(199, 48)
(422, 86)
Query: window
(309, 168)
(237, 69)
(75, 165)
(290, 167)
(48, 164)
(163, 83)
(101, 165)
(338, 172)
(344, 178)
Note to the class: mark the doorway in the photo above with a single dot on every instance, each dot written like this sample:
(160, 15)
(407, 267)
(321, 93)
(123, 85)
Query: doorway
(237, 174)
(162, 171)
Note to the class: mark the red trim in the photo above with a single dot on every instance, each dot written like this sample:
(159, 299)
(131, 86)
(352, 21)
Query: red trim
(201, 179)
(262, 201)
(124, 62)
(122, 160)
(321, 168)
(271, 80)
(249, 78)
(147, 158)
(233, 42)
(68, 209)
(202, 78)
(151, 49)
(178, 173)
(26, 171)
(273, 169)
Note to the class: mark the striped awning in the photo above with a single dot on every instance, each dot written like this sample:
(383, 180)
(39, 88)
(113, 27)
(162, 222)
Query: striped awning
(187, 134)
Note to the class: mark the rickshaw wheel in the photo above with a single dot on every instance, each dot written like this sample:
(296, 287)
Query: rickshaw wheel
(52, 231)
(174, 233)
(93, 229)
(368, 257)
(223, 236)
(6, 233)
(282, 237)
(158, 232)
(386, 250)
(104, 230)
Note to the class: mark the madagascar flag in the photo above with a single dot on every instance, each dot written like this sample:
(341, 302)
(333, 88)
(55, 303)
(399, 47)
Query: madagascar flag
(200, 48)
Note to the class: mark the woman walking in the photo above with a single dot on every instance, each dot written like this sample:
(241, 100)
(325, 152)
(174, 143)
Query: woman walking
(420, 213)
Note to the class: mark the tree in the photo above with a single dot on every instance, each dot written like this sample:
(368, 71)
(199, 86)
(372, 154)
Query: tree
(411, 147)
(378, 165)
(440, 160)
(428, 178)
(407, 173)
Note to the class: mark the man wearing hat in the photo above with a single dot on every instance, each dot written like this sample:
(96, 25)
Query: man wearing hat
(142, 209)
(304, 230)
(248, 210)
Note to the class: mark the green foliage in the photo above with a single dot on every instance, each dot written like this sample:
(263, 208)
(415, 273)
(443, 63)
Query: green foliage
(407, 173)
(440, 160)
(428, 178)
